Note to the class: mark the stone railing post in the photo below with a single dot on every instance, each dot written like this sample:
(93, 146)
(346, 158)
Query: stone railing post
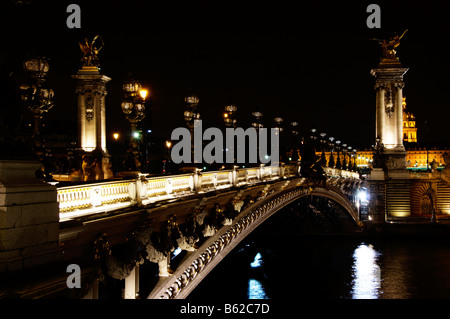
(197, 180)
(261, 172)
(29, 217)
(234, 176)
(141, 188)
(281, 170)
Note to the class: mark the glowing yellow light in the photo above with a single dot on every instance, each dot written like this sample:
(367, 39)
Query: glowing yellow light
(168, 144)
(143, 94)
(225, 115)
(116, 136)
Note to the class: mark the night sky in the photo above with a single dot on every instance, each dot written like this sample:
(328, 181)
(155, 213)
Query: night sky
(307, 61)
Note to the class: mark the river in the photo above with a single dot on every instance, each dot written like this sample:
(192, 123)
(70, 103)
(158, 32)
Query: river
(285, 265)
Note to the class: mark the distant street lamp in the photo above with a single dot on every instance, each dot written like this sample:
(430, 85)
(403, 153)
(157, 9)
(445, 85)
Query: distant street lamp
(338, 161)
(344, 154)
(116, 136)
(323, 142)
(37, 96)
(191, 113)
(331, 162)
(278, 120)
(133, 106)
(229, 116)
(257, 116)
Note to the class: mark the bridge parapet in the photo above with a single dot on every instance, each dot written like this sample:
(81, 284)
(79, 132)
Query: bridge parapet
(336, 172)
(86, 199)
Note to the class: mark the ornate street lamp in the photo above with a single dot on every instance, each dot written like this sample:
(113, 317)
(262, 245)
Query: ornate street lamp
(294, 128)
(350, 156)
(278, 120)
(338, 162)
(229, 116)
(191, 114)
(331, 162)
(256, 123)
(323, 160)
(37, 96)
(133, 106)
(344, 154)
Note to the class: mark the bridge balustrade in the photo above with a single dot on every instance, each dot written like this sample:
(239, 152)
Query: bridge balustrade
(85, 199)
(100, 197)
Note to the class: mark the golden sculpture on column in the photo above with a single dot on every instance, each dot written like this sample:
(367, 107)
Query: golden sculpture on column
(388, 47)
(90, 51)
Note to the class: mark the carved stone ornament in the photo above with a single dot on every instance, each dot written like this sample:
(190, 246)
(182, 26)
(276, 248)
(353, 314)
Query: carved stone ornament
(89, 103)
(389, 104)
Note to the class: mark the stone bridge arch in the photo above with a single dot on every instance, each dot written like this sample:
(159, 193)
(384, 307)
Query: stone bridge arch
(199, 263)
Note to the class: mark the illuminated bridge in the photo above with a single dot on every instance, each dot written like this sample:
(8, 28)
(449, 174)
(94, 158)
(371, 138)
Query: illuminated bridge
(108, 228)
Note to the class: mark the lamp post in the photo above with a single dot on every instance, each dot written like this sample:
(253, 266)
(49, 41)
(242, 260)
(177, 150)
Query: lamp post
(229, 116)
(133, 106)
(278, 120)
(37, 96)
(331, 162)
(350, 157)
(338, 161)
(294, 148)
(257, 116)
(344, 154)
(323, 160)
(191, 114)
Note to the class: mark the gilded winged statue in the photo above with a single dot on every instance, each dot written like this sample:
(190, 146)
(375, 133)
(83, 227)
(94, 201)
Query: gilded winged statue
(90, 51)
(389, 46)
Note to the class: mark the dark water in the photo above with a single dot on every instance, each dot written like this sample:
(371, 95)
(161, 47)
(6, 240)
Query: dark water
(277, 266)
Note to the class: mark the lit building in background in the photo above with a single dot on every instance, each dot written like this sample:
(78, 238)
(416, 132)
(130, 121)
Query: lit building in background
(409, 125)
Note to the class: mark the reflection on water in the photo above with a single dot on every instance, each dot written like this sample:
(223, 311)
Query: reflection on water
(256, 290)
(332, 268)
(257, 262)
(366, 283)
(255, 287)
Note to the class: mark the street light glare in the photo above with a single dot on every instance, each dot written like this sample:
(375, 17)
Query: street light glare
(143, 94)
(116, 136)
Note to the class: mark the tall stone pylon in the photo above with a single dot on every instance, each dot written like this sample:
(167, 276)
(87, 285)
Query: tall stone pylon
(389, 109)
(91, 92)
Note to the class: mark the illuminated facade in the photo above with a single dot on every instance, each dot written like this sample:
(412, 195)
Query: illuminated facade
(415, 157)
(409, 125)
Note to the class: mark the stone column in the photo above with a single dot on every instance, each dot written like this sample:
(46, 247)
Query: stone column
(379, 119)
(399, 113)
(29, 218)
(91, 90)
(132, 284)
(389, 120)
(93, 291)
